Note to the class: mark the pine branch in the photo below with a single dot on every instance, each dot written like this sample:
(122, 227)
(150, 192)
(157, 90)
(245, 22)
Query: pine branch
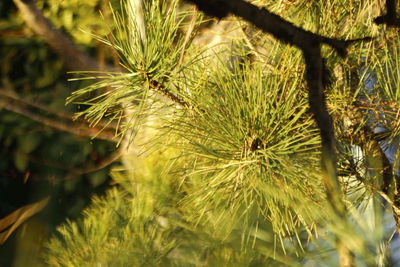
(310, 44)
(160, 88)
(73, 58)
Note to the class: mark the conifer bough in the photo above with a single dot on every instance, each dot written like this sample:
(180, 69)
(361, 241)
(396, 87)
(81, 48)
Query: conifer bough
(316, 76)
(316, 72)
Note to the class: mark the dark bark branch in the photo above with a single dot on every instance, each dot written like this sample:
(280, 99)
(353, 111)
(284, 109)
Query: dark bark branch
(396, 204)
(390, 181)
(271, 23)
(390, 18)
(76, 129)
(315, 73)
(61, 115)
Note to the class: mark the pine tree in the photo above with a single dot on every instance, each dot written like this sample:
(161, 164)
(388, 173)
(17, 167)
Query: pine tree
(223, 153)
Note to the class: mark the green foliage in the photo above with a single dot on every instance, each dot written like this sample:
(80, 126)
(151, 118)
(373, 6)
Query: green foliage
(246, 137)
(230, 170)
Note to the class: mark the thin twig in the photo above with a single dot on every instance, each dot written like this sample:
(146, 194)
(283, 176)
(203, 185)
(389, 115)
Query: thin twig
(176, 99)
(253, 49)
(79, 130)
(60, 114)
(367, 139)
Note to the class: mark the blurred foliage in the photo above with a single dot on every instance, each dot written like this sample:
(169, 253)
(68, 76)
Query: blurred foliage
(150, 230)
(37, 160)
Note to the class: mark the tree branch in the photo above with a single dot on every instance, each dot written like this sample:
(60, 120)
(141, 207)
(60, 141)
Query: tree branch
(271, 23)
(62, 115)
(390, 18)
(79, 130)
(314, 72)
